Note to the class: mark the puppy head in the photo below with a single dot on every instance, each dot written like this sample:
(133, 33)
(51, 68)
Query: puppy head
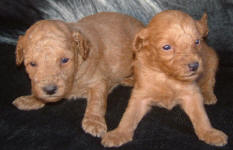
(174, 39)
(51, 54)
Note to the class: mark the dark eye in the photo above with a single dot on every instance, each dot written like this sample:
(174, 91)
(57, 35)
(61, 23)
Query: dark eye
(33, 64)
(197, 42)
(64, 60)
(166, 47)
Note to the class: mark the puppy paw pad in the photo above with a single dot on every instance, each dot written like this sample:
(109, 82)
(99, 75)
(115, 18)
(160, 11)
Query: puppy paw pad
(115, 139)
(95, 126)
(210, 99)
(27, 103)
(215, 137)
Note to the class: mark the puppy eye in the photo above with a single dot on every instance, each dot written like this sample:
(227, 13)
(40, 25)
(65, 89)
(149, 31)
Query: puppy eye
(64, 60)
(166, 47)
(197, 42)
(33, 64)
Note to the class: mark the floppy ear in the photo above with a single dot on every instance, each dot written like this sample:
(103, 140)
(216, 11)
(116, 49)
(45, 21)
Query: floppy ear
(140, 40)
(202, 25)
(19, 51)
(81, 44)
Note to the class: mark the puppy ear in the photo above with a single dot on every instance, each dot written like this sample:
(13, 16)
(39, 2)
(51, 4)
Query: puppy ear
(202, 25)
(140, 40)
(19, 51)
(81, 44)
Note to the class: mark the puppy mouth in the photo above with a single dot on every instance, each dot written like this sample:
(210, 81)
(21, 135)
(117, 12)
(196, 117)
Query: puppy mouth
(50, 98)
(191, 75)
(48, 92)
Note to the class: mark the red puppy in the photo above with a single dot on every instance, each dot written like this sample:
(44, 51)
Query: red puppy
(173, 66)
(85, 59)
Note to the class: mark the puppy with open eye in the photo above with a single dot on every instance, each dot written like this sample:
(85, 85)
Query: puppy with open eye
(86, 59)
(173, 66)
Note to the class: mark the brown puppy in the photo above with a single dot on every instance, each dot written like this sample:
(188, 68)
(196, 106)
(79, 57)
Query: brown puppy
(86, 59)
(173, 66)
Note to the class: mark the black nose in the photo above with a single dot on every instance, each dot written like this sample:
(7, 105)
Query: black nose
(50, 89)
(193, 66)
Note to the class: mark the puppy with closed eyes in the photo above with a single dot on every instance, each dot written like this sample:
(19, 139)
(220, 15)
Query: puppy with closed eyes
(84, 59)
(173, 66)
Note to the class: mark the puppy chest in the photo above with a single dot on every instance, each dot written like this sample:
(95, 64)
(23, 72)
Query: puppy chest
(167, 100)
(164, 96)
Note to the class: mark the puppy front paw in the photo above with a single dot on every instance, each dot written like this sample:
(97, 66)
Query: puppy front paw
(94, 125)
(28, 103)
(214, 137)
(209, 98)
(116, 138)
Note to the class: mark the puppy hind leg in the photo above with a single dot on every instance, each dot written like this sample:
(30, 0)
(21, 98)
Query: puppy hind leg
(135, 111)
(28, 103)
(94, 121)
(194, 108)
(207, 81)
